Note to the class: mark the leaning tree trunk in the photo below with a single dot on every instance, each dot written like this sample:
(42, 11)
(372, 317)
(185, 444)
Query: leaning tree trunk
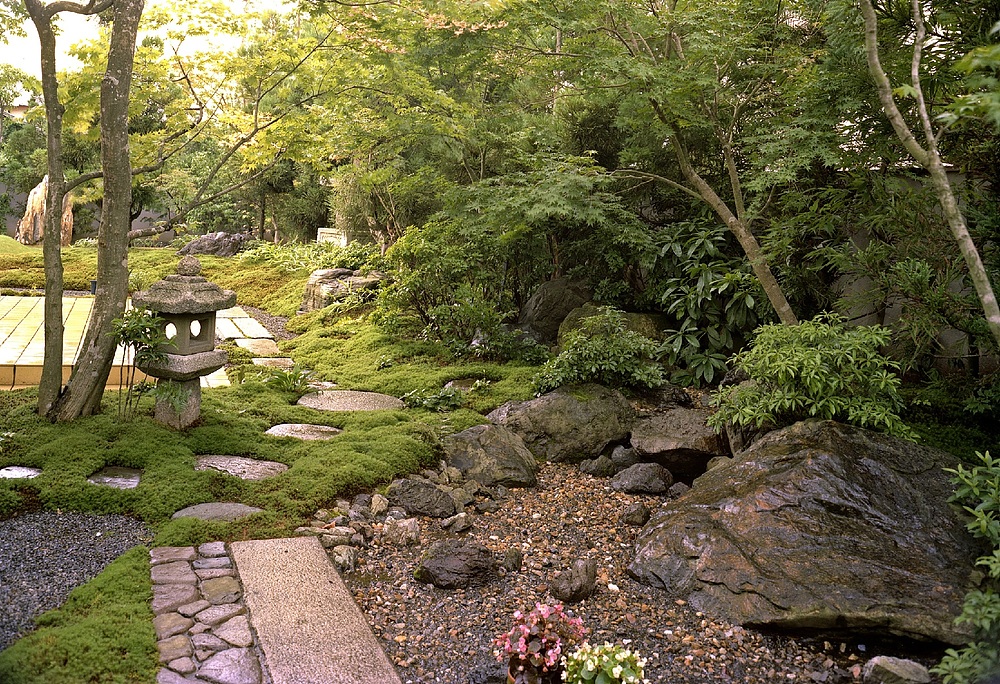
(86, 386)
(51, 381)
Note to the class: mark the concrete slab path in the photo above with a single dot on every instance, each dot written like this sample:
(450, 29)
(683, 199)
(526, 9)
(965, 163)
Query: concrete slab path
(308, 626)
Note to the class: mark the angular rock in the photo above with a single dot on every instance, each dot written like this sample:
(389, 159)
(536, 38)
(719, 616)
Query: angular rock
(178, 572)
(819, 526)
(422, 498)
(221, 590)
(190, 609)
(679, 440)
(577, 582)
(170, 597)
(888, 670)
(549, 305)
(328, 285)
(345, 558)
(173, 648)
(624, 457)
(182, 665)
(379, 505)
(336, 536)
(643, 478)
(232, 666)
(236, 631)
(210, 563)
(513, 559)
(637, 514)
(453, 564)
(677, 490)
(401, 532)
(212, 573)
(602, 466)
(569, 424)
(170, 624)
(491, 455)
(457, 523)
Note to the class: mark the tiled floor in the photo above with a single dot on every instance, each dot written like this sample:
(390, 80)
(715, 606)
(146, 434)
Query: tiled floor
(22, 340)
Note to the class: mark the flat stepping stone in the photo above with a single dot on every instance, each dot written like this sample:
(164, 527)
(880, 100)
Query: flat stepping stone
(117, 477)
(282, 362)
(303, 431)
(290, 588)
(19, 472)
(238, 466)
(217, 511)
(349, 400)
(258, 346)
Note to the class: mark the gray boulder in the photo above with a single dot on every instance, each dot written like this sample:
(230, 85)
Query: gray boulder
(575, 583)
(452, 564)
(217, 244)
(888, 670)
(491, 455)
(679, 440)
(422, 498)
(819, 526)
(643, 478)
(637, 514)
(572, 423)
(647, 324)
(549, 305)
(328, 285)
(602, 466)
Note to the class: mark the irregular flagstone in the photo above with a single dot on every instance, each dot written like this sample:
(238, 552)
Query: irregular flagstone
(166, 676)
(173, 648)
(170, 597)
(212, 563)
(208, 642)
(117, 477)
(303, 431)
(236, 631)
(19, 472)
(217, 511)
(209, 573)
(178, 572)
(212, 549)
(274, 362)
(190, 609)
(239, 466)
(217, 614)
(232, 666)
(221, 590)
(168, 554)
(349, 400)
(258, 346)
(182, 665)
(170, 624)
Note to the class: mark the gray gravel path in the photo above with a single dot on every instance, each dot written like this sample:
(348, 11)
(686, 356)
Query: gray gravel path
(44, 556)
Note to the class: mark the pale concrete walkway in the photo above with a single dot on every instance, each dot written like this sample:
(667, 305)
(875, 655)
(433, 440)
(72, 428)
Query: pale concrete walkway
(22, 340)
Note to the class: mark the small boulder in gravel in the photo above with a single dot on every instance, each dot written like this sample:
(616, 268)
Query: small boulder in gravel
(379, 505)
(453, 564)
(459, 522)
(422, 498)
(490, 455)
(404, 532)
(513, 559)
(575, 583)
(624, 457)
(643, 478)
(888, 670)
(602, 466)
(345, 558)
(637, 514)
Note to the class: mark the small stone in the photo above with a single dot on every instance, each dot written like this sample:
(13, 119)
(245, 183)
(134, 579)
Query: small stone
(208, 642)
(677, 490)
(212, 573)
(513, 559)
(459, 522)
(190, 609)
(236, 631)
(887, 670)
(232, 666)
(170, 597)
(182, 665)
(401, 532)
(170, 624)
(178, 572)
(345, 558)
(212, 549)
(173, 648)
(217, 614)
(221, 590)
(211, 563)
(169, 554)
(576, 583)
(198, 628)
(379, 505)
(637, 514)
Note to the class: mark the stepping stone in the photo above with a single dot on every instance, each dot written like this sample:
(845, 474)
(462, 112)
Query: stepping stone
(238, 466)
(217, 511)
(19, 472)
(348, 400)
(290, 588)
(258, 346)
(303, 431)
(274, 362)
(117, 477)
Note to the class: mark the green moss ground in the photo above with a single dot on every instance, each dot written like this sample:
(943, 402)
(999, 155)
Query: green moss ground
(104, 631)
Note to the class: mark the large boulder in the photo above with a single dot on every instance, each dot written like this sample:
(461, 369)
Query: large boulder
(217, 244)
(549, 305)
(328, 285)
(678, 439)
(454, 564)
(572, 423)
(819, 526)
(418, 497)
(491, 455)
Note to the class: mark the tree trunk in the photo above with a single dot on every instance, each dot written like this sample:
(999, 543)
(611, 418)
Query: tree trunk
(51, 381)
(928, 156)
(86, 386)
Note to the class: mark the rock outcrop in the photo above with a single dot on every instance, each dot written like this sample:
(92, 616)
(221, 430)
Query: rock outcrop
(679, 440)
(818, 526)
(549, 305)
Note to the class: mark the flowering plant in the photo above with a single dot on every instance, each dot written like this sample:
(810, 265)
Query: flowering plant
(605, 664)
(539, 637)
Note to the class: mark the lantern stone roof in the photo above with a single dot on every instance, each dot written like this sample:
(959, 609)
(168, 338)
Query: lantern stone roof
(184, 293)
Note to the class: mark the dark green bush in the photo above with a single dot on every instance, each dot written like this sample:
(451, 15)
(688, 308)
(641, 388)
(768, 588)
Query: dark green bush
(605, 351)
(821, 368)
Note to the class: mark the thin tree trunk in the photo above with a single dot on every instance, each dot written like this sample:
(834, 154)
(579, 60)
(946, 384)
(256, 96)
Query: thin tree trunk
(928, 155)
(86, 387)
(51, 381)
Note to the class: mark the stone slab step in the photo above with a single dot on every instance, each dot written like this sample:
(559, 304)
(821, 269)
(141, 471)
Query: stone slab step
(309, 627)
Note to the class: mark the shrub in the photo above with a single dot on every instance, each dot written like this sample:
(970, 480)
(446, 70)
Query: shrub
(605, 351)
(818, 369)
(604, 664)
(978, 489)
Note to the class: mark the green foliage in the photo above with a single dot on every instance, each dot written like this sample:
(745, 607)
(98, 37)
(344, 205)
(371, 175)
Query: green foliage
(311, 256)
(711, 295)
(978, 490)
(142, 333)
(294, 380)
(605, 351)
(444, 399)
(603, 664)
(821, 368)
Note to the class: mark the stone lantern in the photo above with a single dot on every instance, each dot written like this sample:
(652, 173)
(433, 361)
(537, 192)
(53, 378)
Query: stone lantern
(187, 304)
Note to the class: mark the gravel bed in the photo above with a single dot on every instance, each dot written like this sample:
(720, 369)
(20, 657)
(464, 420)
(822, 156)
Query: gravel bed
(435, 635)
(44, 556)
(273, 324)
